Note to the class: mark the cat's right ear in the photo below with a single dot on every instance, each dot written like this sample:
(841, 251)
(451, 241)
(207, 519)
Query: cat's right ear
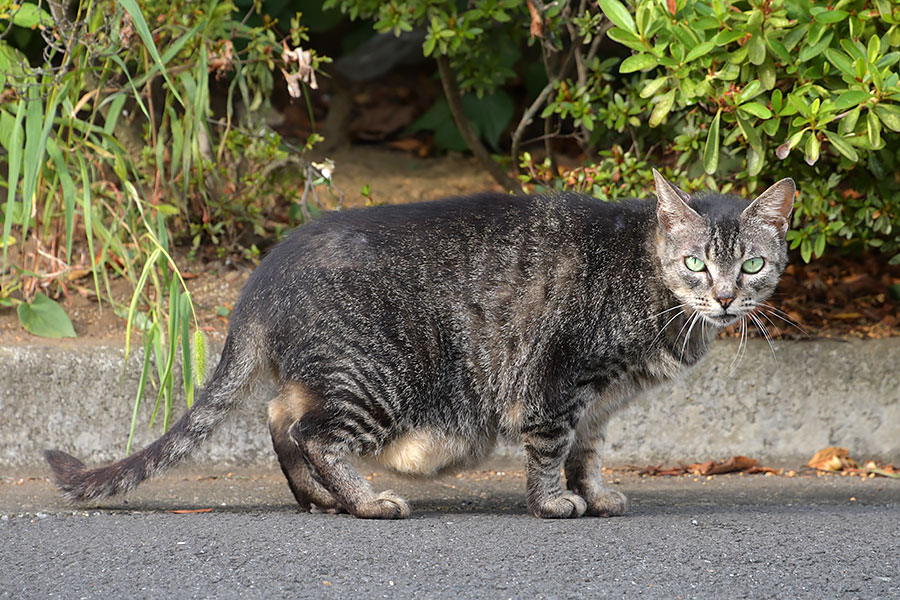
(672, 209)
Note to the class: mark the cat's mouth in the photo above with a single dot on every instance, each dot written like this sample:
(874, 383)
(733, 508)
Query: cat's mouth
(723, 319)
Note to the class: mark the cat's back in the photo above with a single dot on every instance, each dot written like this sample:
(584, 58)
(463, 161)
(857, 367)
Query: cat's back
(482, 218)
(451, 236)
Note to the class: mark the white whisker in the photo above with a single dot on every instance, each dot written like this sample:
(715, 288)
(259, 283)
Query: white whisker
(765, 332)
(771, 322)
(683, 327)
(738, 356)
(775, 312)
(687, 337)
(665, 311)
(663, 328)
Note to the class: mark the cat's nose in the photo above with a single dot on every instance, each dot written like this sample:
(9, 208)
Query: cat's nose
(725, 298)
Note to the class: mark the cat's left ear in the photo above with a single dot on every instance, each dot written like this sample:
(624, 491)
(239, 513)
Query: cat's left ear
(773, 207)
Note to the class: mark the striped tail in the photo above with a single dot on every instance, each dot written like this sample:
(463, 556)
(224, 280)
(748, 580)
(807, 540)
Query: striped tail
(230, 385)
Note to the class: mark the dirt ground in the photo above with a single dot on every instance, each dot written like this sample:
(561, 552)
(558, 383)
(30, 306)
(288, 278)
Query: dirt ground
(392, 176)
(832, 297)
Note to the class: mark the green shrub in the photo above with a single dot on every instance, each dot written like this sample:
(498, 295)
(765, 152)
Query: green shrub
(756, 90)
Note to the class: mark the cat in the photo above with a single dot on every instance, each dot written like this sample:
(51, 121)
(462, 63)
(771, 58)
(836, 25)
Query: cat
(415, 335)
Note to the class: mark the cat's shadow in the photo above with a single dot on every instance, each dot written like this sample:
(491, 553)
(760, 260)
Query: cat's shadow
(641, 504)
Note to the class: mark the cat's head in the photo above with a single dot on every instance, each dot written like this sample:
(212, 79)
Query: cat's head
(721, 256)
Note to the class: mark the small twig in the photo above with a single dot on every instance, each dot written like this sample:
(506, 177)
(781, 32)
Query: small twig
(454, 100)
(528, 117)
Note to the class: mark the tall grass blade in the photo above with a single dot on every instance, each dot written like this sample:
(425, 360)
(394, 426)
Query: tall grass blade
(68, 189)
(138, 288)
(14, 162)
(142, 384)
(186, 366)
(88, 217)
(137, 17)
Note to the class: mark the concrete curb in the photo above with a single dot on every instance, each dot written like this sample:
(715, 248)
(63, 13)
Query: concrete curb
(820, 393)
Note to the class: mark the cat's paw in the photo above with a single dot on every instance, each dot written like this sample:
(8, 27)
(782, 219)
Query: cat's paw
(386, 505)
(608, 503)
(567, 505)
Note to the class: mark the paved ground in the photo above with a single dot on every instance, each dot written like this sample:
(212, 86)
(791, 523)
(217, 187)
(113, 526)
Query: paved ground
(469, 537)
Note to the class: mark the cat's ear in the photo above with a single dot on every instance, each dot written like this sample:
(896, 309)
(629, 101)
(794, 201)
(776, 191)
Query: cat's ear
(672, 209)
(773, 207)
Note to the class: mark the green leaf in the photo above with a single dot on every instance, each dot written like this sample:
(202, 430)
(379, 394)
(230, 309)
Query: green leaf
(626, 38)
(805, 250)
(848, 123)
(727, 36)
(755, 162)
(711, 149)
(750, 134)
(662, 108)
(820, 245)
(831, 16)
(638, 62)
(810, 52)
(777, 100)
(840, 60)
(756, 109)
(873, 129)
(779, 50)
(45, 318)
(889, 115)
(812, 149)
(701, 50)
(616, 12)
(767, 75)
(27, 15)
(873, 49)
(842, 146)
(851, 98)
(653, 86)
(756, 49)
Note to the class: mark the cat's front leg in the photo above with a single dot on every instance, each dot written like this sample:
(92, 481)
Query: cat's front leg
(546, 449)
(585, 478)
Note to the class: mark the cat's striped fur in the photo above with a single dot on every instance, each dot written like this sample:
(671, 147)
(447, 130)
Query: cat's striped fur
(416, 335)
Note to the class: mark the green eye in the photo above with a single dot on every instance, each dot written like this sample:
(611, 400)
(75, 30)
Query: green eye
(694, 264)
(752, 265)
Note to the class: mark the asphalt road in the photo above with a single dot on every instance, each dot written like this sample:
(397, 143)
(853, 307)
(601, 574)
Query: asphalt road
(469, 537)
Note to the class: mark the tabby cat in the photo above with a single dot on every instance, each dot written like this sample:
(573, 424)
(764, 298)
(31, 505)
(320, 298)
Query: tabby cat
(416, 335)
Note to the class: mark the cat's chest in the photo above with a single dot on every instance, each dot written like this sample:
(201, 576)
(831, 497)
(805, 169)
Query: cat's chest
(605, 390)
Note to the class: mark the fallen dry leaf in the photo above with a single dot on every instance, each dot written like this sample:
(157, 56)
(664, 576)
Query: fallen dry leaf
(732, 465)
(185, 511)
(832, 458)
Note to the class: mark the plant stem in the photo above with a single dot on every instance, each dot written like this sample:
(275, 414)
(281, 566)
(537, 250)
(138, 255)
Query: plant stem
(454, 100)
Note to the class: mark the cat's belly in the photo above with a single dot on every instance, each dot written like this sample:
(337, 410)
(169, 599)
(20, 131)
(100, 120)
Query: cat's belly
(428, 453)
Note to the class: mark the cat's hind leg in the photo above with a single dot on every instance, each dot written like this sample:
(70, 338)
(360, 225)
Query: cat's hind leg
(325, 439)
(284, 411)
(545, 450)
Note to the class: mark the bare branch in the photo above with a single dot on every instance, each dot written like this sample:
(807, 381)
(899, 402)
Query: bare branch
(454, 100)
